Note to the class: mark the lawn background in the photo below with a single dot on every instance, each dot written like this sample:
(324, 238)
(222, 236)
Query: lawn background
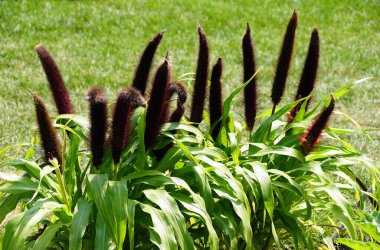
(99, 42)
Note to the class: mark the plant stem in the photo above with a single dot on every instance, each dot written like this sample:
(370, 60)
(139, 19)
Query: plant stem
(63, 151)
(270, 126)
(60, 181)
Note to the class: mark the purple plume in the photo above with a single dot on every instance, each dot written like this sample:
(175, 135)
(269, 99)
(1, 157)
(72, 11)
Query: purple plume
(284, 60)
(200, 84)
(142, 71)
(49, 137)
(216, 102)
(180, 90)
(309, 73)
(311, 137)
(250, 91)
(57, 85)
(98, 120)
(159, 95)
(127, 101)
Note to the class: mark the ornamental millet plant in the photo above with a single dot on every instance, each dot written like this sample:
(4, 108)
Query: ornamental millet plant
(56, 83)
(177, 88)
(192, 187)
(49, 137)
(98, 122)
(284, 61)
(249, 69)
(311, 137)
(201, 74)
(127, 100)
(143, 68)
(158, 97)
(216, 98)
(309, 73)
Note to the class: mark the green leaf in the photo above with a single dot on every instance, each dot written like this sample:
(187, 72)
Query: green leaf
(79, 120)
(162, 234)
(261, 133)
(174, 215)
(173, 155)
(263, 178)
(280, 150)
(16, 184)
(9, 230)
(201, 213)
(204, 187)
(111, 199)
(212, 152)
(103, 239)
(15, 239)
(235, 150)
(295, 229)
(79, 223)
(345, 219)
(358, 245)
(372, 229)
(141, 155)
(227, 187)
(47, 236)
(143, 173)
(33, 170)
(228, 101)
(8, 204)
(297, 187)
(131, 223)
(70, 161)
(4, 150)
(180, 126)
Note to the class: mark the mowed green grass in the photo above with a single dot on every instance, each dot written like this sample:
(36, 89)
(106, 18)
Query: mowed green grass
(99, 43)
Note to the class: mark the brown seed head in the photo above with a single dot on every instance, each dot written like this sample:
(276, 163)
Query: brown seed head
(158, 97)
(98, 120)
(57, 85)
(127, 101)
(142, 71)
(250, 91)
(216, 102)
(200, 84)
(49, 137)
(310, 138)
(284, 60)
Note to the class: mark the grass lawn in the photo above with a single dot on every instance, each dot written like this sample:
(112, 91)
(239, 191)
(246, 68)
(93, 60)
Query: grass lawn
(99, 42)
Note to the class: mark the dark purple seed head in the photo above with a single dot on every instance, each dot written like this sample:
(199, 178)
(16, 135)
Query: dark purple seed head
(174, 88)
(57, 85)
(177, 114)
(127, 101)
(177, 88)
(200, 84)
(250, 91)
(49, 137)
(159, 95)
(216, 99)
(310, 70)
(165, 109)
(310, 138)
(98, 120)
(284, 60)
(142, 71)
(309, 73)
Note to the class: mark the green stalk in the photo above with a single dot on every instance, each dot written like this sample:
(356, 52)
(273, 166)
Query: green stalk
(62, 190)
(270, 126)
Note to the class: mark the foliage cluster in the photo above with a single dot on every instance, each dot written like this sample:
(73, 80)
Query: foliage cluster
(159, 178)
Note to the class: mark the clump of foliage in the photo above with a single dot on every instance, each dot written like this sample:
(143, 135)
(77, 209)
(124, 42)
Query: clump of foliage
(152, 178)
